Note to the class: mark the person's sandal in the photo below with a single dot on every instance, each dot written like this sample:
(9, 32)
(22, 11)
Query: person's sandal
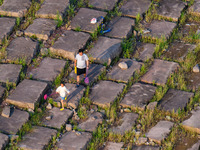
(61, 109)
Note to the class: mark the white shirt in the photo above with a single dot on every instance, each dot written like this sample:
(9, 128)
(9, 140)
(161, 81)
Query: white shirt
(62, 91)
(81, 61)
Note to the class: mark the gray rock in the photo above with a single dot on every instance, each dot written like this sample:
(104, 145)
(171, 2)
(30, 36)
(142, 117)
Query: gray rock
(2, 90)
(159, 131)
(195, 8)
(145, 147)
(48, 69)
(10, 73)
(138, 95)
(15, 8)
(50, 9)
(175, 99)
(123, 65)
(72, 141)
(59, 118)
(142, 140)
(159, 72)
(105, 50)
(152, 105)
(67, 47)
(6, 112)
(103, 4)
(68, 127)
(171, 9)
(128, 121)
(160, 28)
(92, 122)
(49, 106)
(83, 18)
(113, 146)
(6, 25)
(105, 93)
(3, 140)
(193, 123)
(196, 68)
(27, 94)
(12, 124)
(41, 28)
(196, 146)
(21, 49)
(38, 138)
(121, 27)
(94, 71)
(134, 7)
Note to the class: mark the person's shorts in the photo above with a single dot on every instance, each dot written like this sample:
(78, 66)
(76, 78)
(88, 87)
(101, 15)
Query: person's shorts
(81, 71)
(63, 98)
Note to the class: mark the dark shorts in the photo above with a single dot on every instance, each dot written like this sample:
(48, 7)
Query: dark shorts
(81, 71)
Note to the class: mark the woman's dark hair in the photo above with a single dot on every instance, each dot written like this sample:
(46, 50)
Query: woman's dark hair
(80, 50)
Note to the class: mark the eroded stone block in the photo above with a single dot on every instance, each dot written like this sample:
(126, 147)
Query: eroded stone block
(3, 140)
(103, 4)
(113, 146)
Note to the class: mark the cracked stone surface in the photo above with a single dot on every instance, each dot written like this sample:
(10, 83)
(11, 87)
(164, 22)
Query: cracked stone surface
(15, 8)
(50, 9)
(195, 8)
(67, 47)
(113, 146)
(105, 50)
(159, 72)
(145, 147)
(38, 138)
(72, 141)
(92, 122)
(16, 120)
(134, 7)
(48, 69)
(160, 131)
(138, 95)
(83, 18)
(59, 118)
(27, 94)
(41, 28)
(127, 121)
(22, 49)
(193, 123)
(121, 27)
(103, 4)
(6, 25)
(10, 73)
(3, 140)
(175, 99)
(117, 74)
(105, 92)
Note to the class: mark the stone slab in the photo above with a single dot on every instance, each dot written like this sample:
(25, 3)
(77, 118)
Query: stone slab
(171, 9)
(138, 95)
(105, 50)
(193, 80)
(10, 73)
(92, 122)
(2, 91)
(127, 121)
(120, 75)
(175, 99)
(145, 147)
(16, 120)
(72, 141)
(159, 72)
(22, 49)
(159, 28)
(48, 69)
(145, 51)
(195, 8)
(113, 146)
(103, 4)
(50, 9)
(94, 71)
(83, 18)
(41, 28)
(134, 7)
(3, 140)
(105, 92)
(160, 131)
(196, 146)
(59, 118)
(6, 112)
(178, 50)
(121, 27)
(193, 123)
(38, 138)
(7, 25)
(15, 8)
(27, 94)
(67, 47)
